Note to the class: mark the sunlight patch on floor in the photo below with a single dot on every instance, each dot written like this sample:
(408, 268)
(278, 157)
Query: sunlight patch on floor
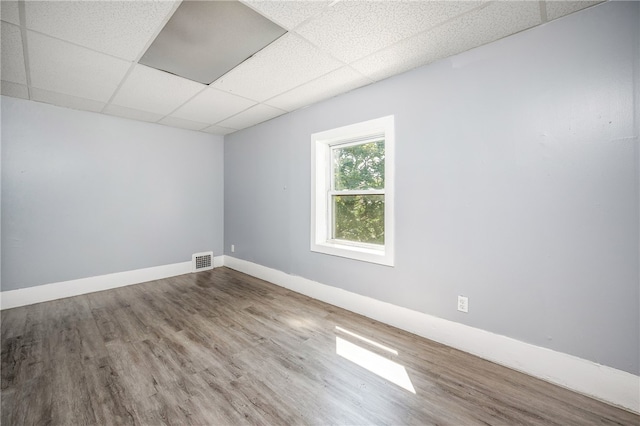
(364, 339)
(377, 364)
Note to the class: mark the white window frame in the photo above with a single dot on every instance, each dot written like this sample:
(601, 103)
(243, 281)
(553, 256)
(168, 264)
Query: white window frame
(321, 175)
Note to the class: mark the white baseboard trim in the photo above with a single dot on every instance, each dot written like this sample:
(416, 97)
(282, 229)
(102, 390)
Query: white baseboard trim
(60, 290)
(604, 383)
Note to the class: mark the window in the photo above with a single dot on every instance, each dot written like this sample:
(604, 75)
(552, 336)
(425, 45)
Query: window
(352, 191)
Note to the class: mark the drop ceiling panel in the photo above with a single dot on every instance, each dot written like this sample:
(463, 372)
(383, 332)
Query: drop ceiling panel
(131, 113)
(556, 9)
(327, 86)
(66, 100)
(148, 89)
(9, 11)
(351, 43)
(351, 30)
(254, 115)
(288, 14)
(281, 66)
(184, 124)
(12, 55)
(205, 39)
(119, 28)
(211, 106)
(14, 90)
(480, 26)
(218, 130)
(65, 68)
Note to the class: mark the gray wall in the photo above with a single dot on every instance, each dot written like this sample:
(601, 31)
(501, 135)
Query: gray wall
(516, 185)
(85, 194)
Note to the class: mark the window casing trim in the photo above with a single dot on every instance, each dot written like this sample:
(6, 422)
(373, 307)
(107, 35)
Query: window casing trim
(321, 190)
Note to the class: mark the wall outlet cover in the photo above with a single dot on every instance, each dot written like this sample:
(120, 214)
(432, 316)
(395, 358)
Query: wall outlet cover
(463, 304)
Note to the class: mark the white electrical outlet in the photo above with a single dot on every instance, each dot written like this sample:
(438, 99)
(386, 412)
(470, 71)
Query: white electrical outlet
(233, 248)
(463, 304)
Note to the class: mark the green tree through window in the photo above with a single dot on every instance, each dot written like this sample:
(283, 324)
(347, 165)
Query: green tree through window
(357, 194)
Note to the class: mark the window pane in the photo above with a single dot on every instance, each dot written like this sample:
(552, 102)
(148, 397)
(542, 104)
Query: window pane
(359, 166)
(359, 218)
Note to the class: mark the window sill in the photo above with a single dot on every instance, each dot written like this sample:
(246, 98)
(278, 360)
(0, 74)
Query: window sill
(380, 256)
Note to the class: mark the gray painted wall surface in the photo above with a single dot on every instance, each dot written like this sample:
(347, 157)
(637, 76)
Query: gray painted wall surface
(85, 194)
(516, 185)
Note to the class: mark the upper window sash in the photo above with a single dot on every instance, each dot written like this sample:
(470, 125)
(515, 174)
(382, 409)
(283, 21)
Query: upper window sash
(342, 144)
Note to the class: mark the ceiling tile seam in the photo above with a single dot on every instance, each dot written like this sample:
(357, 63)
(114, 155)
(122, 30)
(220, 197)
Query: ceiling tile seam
(115, 92)
(529, 28)
(25, 46)
(482, 5)
(259, 52)
(583, 9)
(543, 11)
(310, 18)
(245, 60)
(222, 127)
(185, 102)
(120, 58)
(233, 115)
(366, 77)
(206, 87)
(270, 46)
(143, 50)
(186, 128)
(161, 26)
(71, 96)
(11, 24)
(245, 110)
(250, 6)
(266, 101)
(321, 12)
(325, 52)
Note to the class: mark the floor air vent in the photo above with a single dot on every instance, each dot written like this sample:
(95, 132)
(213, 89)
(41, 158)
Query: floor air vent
(202, 261)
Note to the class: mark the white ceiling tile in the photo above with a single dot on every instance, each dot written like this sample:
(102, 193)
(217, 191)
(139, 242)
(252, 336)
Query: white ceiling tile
(351, 30)
(131, 113)
(281, 66)
(185, 124)
(218, 130)
(556, 9)
(14, 90)
(9, 11)
(481, 26)
(67, 101)
(254, 115)
(119, 28)
(148, 89)
(12, 55)
(66, 68)
(211, 106)
(288, 14)
(327, 86)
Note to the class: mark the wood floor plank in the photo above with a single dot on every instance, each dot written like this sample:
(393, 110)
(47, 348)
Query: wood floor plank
(221, 348)
(110, 401)
(30, 402)
(24, 357)
(71, 401)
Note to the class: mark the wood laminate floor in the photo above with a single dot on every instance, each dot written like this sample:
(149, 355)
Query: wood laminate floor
(223, 348)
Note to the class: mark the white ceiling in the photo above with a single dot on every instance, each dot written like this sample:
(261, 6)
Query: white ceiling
(84, 54)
